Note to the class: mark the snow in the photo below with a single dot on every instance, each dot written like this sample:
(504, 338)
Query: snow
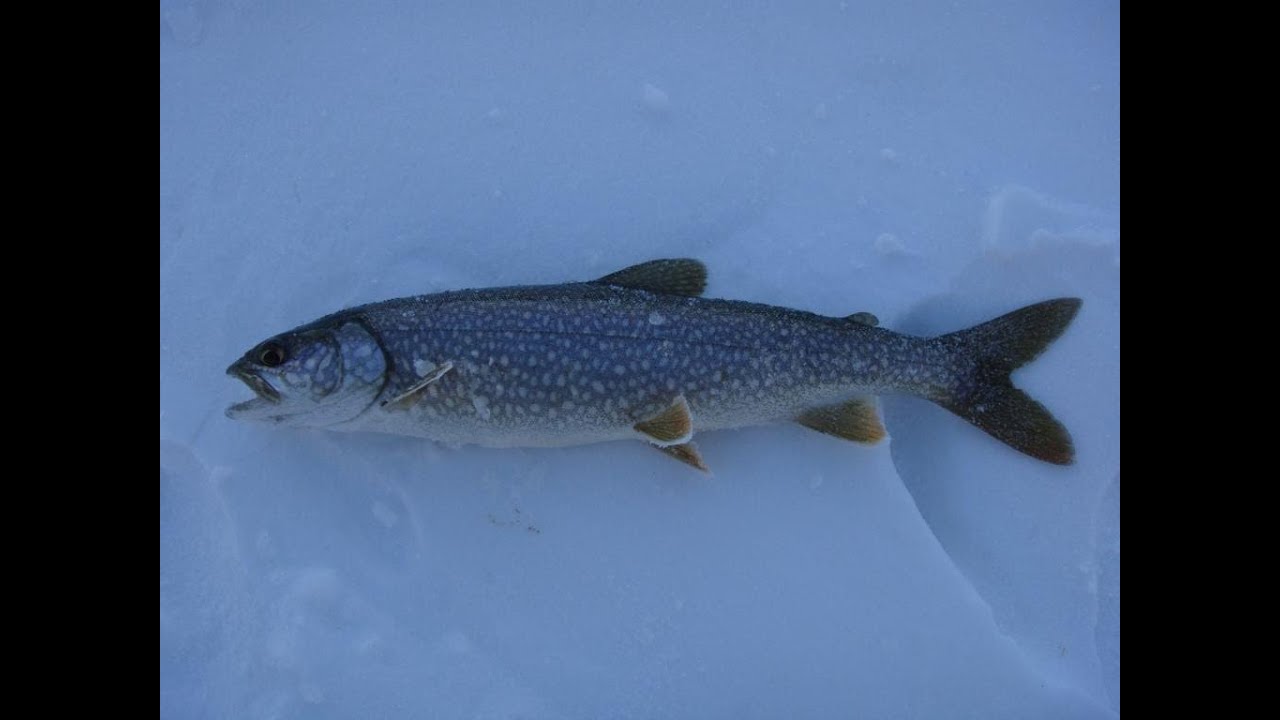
(934, 164)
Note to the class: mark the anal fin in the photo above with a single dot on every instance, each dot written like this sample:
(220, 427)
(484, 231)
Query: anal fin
(854, 420)
(688, 454)
(672, 426)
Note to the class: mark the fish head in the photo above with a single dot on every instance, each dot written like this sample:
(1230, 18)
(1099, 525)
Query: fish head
(317, 375)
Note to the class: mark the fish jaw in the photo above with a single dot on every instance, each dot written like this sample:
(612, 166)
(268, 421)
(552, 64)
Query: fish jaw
(266, 401)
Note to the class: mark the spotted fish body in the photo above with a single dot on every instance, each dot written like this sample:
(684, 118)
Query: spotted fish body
(636, 354)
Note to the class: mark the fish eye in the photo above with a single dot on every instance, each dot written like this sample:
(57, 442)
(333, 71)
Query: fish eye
(271, 355)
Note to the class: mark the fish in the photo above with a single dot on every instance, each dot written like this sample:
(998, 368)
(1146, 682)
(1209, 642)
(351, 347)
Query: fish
(638, 354)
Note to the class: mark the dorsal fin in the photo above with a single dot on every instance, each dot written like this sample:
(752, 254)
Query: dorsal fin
(672, 426)
(865, 318)
(678, 276)
(852, 420)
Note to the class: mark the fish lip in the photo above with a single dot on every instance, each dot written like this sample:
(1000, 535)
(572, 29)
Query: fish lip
(256, 383)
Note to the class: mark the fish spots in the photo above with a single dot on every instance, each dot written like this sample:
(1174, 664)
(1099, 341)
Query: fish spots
(422, 367)
(584, 347)
(481, 404)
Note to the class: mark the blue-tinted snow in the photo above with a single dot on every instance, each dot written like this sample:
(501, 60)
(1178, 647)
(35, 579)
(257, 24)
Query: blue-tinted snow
(934, 163)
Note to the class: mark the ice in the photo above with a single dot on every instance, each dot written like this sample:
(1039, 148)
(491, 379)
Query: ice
(890, 244)
(655, 99)
(935, 166)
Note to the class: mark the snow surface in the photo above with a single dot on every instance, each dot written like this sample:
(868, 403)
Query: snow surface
(934, 163)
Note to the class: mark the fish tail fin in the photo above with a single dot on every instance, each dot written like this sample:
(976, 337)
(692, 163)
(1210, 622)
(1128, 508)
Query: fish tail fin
(983, 392)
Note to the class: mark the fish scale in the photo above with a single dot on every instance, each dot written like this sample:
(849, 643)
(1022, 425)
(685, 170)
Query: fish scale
(636, 354)
(557, 365)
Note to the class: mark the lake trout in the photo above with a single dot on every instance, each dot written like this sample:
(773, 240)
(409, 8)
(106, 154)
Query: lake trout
(638, 354)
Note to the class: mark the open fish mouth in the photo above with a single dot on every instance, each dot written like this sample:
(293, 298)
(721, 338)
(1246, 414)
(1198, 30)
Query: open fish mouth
(267, 395)
(256, 383)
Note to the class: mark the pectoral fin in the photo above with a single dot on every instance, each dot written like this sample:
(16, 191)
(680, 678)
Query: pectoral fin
(672, 426)
(406, 398)
(688, 454)
(854, 420)
(680, 276)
